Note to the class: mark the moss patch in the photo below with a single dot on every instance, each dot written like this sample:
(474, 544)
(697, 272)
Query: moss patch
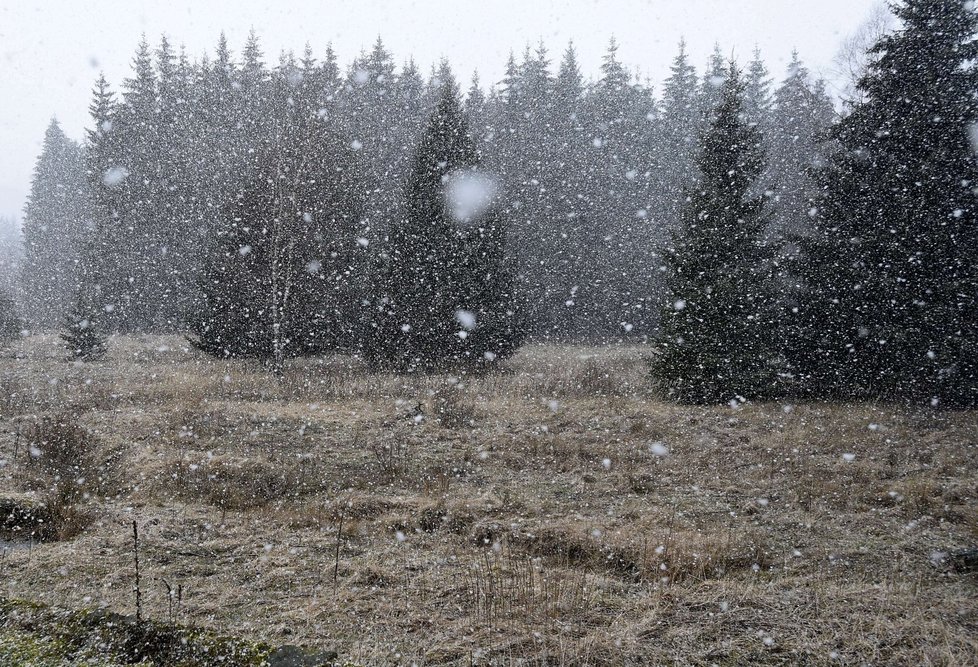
(35, 635)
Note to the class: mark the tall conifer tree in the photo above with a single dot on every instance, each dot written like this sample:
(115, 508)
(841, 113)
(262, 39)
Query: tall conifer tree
(55, 221)
(448, 295)
(679, 134)
(277, 279)
(10, 323)
(893, 279)
(714, 343)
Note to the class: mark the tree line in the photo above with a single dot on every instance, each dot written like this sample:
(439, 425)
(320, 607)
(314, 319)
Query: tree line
(879, 297)
(590, 174)
(765, 246)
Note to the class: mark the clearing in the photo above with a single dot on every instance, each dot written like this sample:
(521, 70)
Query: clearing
(557, 511)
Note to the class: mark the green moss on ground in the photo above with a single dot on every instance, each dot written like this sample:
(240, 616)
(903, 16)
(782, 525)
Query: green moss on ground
(33, 635)
(31, 649)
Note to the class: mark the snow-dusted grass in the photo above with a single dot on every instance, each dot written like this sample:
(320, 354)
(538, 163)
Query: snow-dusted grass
(556, 510)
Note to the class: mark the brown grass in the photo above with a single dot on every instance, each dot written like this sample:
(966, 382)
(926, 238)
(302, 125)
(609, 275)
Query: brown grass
(66, 467)
(526, 515)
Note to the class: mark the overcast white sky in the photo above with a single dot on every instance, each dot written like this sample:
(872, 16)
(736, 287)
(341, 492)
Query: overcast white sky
(52, 50)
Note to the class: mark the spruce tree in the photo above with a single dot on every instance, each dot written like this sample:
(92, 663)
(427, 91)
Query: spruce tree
(217, 139)
(713, 344)
(371, 122)
(620, 115)
(85, 325)
(798, 139)
(526, 119)
(176, 177)
(55, 221)
(10, 324)
(757, 108)
(475, 109)
(757, 96)
(11, 251)
(713, 77)
(83, 331)
(277, 280)
(679, 132)
(104, 176)
(138, 197)
(577, 266)
(800, 124)
(229, 322)
(448, 292)
(891, 271)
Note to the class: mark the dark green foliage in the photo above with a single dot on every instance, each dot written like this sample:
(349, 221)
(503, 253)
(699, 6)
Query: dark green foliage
(109, 246)
(891, 270)
(35, 634)
(591, 182)
(715, 341)
(228, 318)
(619, 183)
(10, 324)
(84, 331)
(679, 130)
(798, 143)
(757, 93)
(85, 326)
(448, 292)
(54, 229)
(276, 282)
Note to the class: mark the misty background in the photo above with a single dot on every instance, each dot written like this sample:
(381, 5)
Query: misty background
(52, 52)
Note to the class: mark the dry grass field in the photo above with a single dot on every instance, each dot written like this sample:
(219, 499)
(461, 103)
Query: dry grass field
(556, 512)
